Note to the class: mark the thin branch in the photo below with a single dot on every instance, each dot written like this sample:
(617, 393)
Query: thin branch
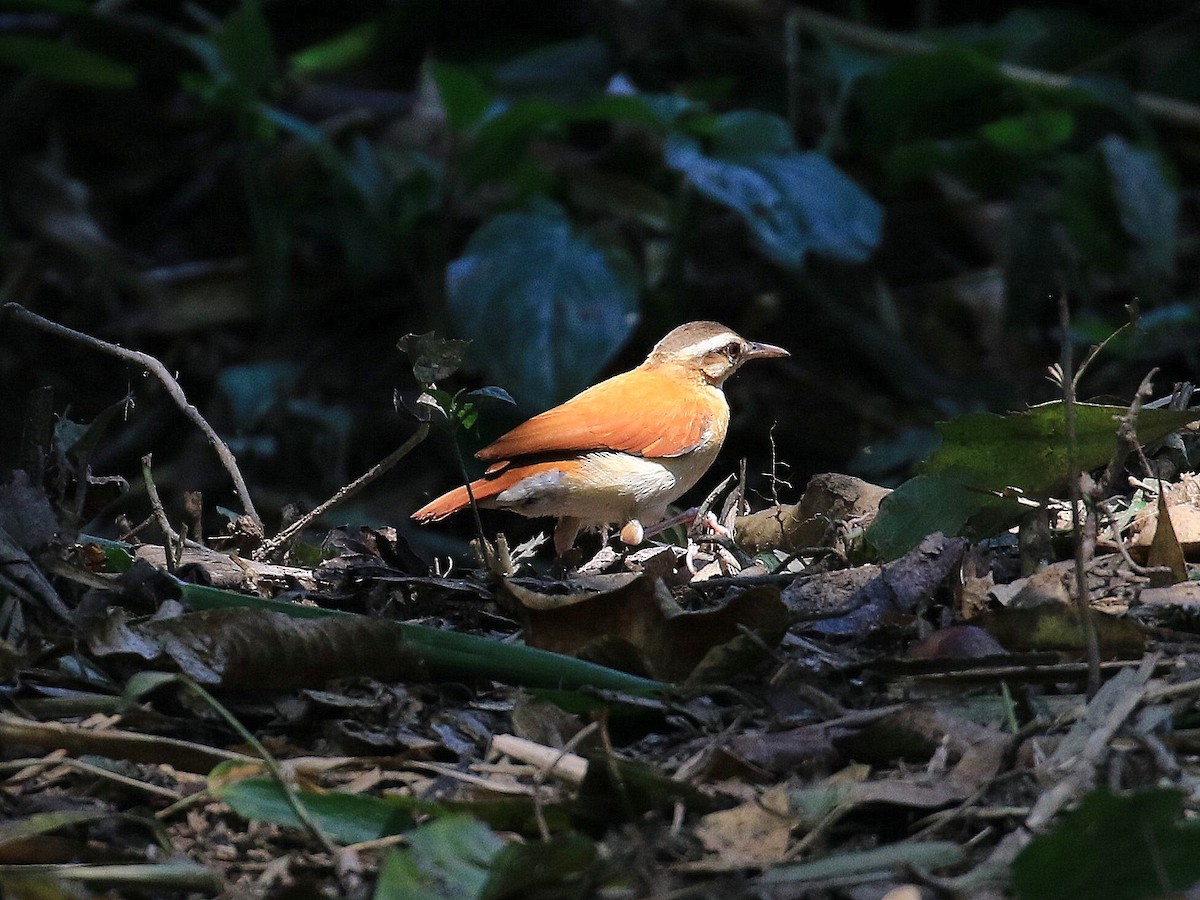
(1081, 596)
(271, 547)
(1156, 106)
(159, 371)
(1127, 439)
(172, 542)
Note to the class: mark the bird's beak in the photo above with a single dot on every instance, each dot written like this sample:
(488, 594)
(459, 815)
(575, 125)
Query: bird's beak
(762, 351)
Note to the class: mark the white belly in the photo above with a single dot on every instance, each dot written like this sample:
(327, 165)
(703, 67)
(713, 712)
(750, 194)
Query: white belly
(607, 487)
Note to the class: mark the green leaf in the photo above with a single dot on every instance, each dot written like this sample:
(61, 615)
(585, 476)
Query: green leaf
(491, 393)
(56, 60)
(571, 70)
(346, 818)
(247, 47)
(895, 858)
(464, 97)
(451, 654)
(1034, 133)
(461, 858)
(793, 203)
(545, 308)
(985, 453)
(448, 859)
(520, 868)
(1119, 848)
(749, 132)
(953, 90)
(337, 53)
(1148, 205)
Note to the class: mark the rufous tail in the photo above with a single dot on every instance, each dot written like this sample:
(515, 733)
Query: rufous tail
(483, 488)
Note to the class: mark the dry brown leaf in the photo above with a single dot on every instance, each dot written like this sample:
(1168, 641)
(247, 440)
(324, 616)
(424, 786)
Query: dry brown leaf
(636, 626)
(751, 835)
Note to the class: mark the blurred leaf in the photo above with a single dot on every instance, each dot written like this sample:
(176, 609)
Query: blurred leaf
(544, 307)
(433, 358)
(134, 878)
(448, 858)
(569, 70)
(1120, 848)
(518, 869)
(1148, 205)
(458, 857)
(22, 829)
(985, 453)
(749, 132)
(1034, 133)
(854, 864)
(247, 47)
(254, 389)
(464, 97)
(942, 94)
(346, 818)
(56, 60)
(792, 202)
(850, 64)
(337, 53)
(499, 149)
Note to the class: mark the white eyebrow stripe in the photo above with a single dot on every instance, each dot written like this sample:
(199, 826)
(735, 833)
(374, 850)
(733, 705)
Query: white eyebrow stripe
(715, 343)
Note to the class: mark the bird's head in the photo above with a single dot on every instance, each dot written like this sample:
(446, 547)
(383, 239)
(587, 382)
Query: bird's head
(710, 349)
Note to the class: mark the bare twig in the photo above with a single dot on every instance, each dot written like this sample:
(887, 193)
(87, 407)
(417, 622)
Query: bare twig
(159, 371)
(171, 540)
(1127, 439)
(271, 547)
(1076, 497)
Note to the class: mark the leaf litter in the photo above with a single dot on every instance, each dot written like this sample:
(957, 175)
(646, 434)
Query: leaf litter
(778, 715)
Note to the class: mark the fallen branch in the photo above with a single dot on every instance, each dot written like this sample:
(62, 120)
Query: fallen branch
(271, 547)
(159, 371)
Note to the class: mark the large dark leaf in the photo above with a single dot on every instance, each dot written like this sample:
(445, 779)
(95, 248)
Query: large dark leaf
(1148, 205)
(1120, 848)
(544, 306)
(794, 203)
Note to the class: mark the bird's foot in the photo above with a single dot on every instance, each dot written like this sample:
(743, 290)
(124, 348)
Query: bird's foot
(688, 518)
(633, 533)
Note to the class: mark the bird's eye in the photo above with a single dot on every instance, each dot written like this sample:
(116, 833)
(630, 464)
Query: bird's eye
(733, 350)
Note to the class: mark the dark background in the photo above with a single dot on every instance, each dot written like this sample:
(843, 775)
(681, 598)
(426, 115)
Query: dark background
(266, 197)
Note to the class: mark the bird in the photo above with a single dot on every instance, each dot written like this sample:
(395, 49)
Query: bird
(620, 451)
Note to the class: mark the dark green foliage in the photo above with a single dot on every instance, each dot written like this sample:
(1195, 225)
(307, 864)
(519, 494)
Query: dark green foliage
(1115, 847)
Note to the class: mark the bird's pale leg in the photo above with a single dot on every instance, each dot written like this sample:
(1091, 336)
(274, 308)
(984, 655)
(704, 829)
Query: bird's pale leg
(565, 533)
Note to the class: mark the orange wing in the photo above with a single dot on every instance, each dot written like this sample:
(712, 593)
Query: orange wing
(643, 412)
